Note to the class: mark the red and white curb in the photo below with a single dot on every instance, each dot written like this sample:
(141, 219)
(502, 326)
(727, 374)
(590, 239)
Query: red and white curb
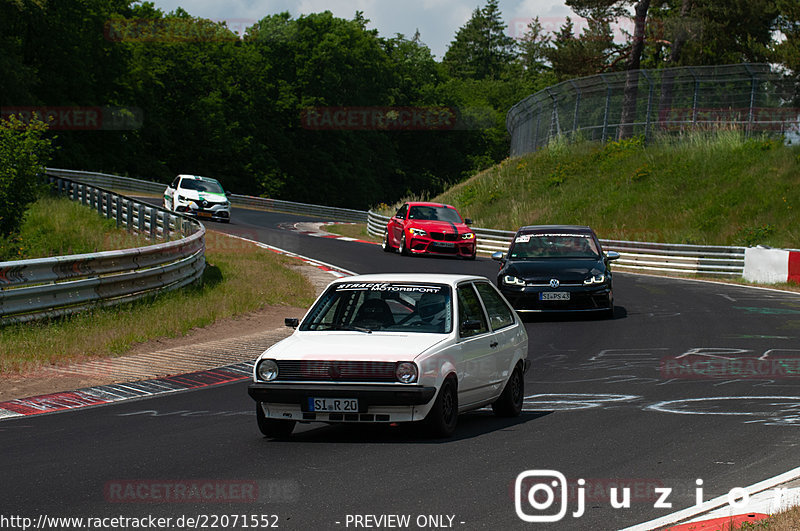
(324, 266)
(316, 230)
(765, 497)
(109, 394)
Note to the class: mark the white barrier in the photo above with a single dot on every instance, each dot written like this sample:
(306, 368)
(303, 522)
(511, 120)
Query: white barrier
(770, 266)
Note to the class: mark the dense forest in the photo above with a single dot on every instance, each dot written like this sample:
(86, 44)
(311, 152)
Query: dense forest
(322, 109)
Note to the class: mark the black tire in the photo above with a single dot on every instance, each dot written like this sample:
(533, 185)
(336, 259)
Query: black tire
(386, 247)
(273, 428)
(403, 248)
(510, 402)
(443, 417)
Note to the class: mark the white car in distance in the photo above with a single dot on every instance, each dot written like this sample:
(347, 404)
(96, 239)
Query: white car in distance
(390, 348)
(198, 196)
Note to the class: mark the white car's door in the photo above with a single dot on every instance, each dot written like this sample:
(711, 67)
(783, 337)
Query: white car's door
(502, 324)
(476, 350)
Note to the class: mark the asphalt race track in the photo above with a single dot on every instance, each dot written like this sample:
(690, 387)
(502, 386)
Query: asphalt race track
(605, 403)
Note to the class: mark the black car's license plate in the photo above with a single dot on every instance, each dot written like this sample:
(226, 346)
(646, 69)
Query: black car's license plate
(554, 296)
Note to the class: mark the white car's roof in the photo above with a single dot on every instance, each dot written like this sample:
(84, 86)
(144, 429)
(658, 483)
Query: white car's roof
(437, 278)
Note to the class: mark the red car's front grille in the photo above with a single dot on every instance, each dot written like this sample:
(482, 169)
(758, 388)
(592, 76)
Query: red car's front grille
(442, 236)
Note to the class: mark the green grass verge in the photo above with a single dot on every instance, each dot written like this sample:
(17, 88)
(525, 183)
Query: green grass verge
(57, 226)
(239, 278)
(713, 188)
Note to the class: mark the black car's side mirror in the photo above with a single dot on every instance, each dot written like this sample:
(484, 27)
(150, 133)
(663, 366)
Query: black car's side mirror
(291, 322)
(612, 255)
(498, 255)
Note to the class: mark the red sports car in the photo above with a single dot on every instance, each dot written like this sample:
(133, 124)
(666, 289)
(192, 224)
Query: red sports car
(429, 228)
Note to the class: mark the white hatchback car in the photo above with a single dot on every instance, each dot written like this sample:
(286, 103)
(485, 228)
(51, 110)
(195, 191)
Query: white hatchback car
(198, 196)
(389, 348)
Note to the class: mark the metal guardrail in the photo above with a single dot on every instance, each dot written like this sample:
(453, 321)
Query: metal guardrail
(51, 287)
(136, 185)
(634, 256)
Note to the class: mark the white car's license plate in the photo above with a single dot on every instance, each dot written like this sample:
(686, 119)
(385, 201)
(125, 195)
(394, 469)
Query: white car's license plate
(335, 405)
(204, 214)
(554, 296)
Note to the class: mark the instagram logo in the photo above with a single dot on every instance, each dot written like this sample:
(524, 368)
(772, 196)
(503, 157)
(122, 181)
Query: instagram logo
(538, 490)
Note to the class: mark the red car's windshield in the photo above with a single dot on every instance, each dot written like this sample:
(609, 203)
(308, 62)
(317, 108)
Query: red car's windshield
(434, 213)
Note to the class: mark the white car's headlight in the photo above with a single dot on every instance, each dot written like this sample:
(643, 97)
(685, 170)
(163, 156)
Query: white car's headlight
(418, 232)
(406, 372)
(468, 236)
(513, 281)
(594, 279)
(267, 370)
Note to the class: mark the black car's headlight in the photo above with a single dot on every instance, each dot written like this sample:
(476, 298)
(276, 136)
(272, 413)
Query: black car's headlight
(406, 372)
(513, 281)
(595, 279)
(267, 370)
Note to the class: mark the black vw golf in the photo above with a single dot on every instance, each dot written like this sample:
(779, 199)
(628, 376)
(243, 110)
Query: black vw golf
(556, 268)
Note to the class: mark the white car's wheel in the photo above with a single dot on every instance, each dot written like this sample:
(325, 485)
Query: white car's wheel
(510, 402)
(443, 417)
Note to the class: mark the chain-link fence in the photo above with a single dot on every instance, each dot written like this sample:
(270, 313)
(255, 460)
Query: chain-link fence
(749, 97)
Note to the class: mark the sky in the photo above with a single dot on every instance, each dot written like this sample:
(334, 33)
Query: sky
(437, 20)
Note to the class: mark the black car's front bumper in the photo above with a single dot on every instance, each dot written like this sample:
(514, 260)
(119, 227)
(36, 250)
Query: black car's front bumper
(528, 299)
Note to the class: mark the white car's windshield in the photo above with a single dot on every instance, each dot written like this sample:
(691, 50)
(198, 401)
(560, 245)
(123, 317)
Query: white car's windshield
(392, 307)
(533, 246)
(201, 186)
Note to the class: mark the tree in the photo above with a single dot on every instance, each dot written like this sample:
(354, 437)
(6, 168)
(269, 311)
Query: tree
(534, 47)
(633, 62)
(481, 49)
(24, 153)
(584, 55)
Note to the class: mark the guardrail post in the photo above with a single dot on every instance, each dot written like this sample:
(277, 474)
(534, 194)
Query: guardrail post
(140, 218)
(118, 202)
(153, 223)
(129, 215)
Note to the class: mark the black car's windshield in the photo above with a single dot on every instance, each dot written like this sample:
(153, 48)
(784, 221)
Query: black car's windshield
(434, 213)
(392, 307)
(553, 245)
(202, 186)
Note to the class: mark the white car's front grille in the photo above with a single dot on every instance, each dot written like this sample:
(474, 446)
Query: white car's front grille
(338, 371)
